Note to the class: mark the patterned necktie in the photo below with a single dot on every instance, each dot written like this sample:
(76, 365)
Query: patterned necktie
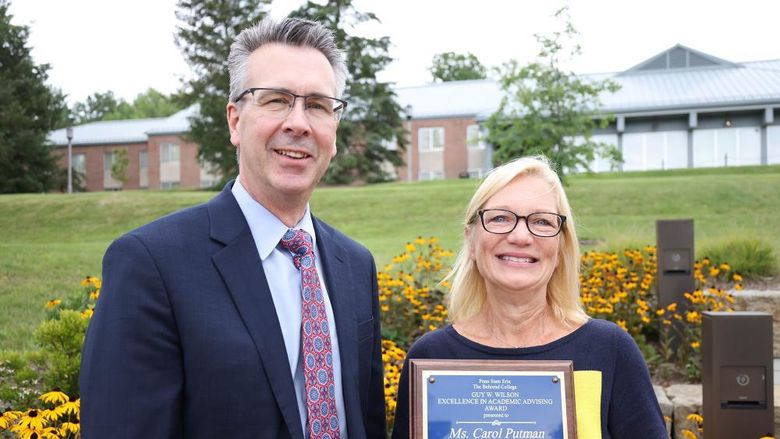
(322, 418)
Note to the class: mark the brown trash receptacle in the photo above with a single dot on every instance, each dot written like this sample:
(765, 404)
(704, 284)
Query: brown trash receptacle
(737, 375)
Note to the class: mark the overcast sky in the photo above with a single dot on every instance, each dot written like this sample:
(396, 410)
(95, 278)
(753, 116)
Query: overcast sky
(127, 46)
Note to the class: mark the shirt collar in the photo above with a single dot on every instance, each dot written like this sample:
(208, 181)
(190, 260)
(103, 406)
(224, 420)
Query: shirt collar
(267, 230)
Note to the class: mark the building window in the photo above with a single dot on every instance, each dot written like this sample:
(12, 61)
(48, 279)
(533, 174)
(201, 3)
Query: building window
(109, 182)
(209, 174)
(477, 156)
(601, 163)
(431, 175)
(170, 166)
(169, 184)
(659, 150)
(430, 139)
(472, 137)
(773, 145)
(143, 168)
(169, 152)
(726, 147)
(79, 164)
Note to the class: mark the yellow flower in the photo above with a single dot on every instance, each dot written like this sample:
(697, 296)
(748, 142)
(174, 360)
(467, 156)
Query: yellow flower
(68, 428)
(33, 419)
(714, 272)
(695, 417)
(87, 313)
(69, 408)
(689, 434)
(410, 247)
(695, 344)
(53, 303)
(55, 397)
(8, 418)
(95, 294)
(736, 278)
(693, 317)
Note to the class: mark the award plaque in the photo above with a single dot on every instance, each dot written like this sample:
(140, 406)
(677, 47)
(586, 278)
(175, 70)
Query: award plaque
(497, 399)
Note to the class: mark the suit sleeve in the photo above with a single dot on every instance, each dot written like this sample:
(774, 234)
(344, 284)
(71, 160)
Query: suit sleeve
(375, 421)
(131, 371)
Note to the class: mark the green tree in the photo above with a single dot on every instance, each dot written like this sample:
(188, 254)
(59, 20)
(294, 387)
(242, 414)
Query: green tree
(206, 30)
(106, 106)
(373, 119)
(149, 104)
(451, 66)
(546, 110)
(96, 107)
(29, 110)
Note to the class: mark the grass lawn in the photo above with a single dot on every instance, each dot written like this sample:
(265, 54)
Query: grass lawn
(48, 243)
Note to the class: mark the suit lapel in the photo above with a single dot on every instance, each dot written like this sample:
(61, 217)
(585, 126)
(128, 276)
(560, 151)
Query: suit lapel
(338, 279)
(242, 270)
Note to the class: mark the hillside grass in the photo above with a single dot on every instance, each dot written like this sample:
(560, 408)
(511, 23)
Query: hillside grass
(49, 242)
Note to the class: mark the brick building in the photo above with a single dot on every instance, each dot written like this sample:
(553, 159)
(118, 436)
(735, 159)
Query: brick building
(678, 109)
(158, 155)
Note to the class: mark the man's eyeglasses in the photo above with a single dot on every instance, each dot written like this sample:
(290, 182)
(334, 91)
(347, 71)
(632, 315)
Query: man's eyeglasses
(279, 103)
(542, 224)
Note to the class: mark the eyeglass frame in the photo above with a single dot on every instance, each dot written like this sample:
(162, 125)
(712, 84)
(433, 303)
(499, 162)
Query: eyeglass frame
(336, 112)
(481, 213)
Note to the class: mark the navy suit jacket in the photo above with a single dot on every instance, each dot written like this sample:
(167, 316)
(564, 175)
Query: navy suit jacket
(185, 341)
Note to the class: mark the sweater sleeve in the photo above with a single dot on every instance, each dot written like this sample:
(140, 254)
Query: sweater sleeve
(633, 409)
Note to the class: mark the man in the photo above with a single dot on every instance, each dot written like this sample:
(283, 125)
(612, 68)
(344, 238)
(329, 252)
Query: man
(202, 329)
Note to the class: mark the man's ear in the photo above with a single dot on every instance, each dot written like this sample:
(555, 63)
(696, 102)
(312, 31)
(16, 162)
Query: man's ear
(233, 114)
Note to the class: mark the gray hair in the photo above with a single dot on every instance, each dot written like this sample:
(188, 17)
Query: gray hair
(291, 31)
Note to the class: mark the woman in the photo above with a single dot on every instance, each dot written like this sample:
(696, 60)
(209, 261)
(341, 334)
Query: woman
(515, 296)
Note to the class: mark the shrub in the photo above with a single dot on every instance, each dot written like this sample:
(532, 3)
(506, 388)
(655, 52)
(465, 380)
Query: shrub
(622, 289)
(751, 257)
(54, 369)
(411, 301)
(410, 297)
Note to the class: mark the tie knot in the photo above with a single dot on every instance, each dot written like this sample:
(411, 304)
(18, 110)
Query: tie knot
(299, 243)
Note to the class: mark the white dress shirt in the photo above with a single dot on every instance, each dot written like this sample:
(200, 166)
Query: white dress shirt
(284, 281)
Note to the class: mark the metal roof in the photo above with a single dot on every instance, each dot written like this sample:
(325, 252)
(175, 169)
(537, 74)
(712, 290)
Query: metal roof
(124, 131)
(751, 83)
(451, 99)
(728, 85)
(721, 85)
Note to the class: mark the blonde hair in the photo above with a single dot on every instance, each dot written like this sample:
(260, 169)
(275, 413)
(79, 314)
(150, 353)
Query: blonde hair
(468, 293)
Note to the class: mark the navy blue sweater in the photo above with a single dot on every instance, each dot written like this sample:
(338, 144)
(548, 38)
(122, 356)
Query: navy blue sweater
(629, 408)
